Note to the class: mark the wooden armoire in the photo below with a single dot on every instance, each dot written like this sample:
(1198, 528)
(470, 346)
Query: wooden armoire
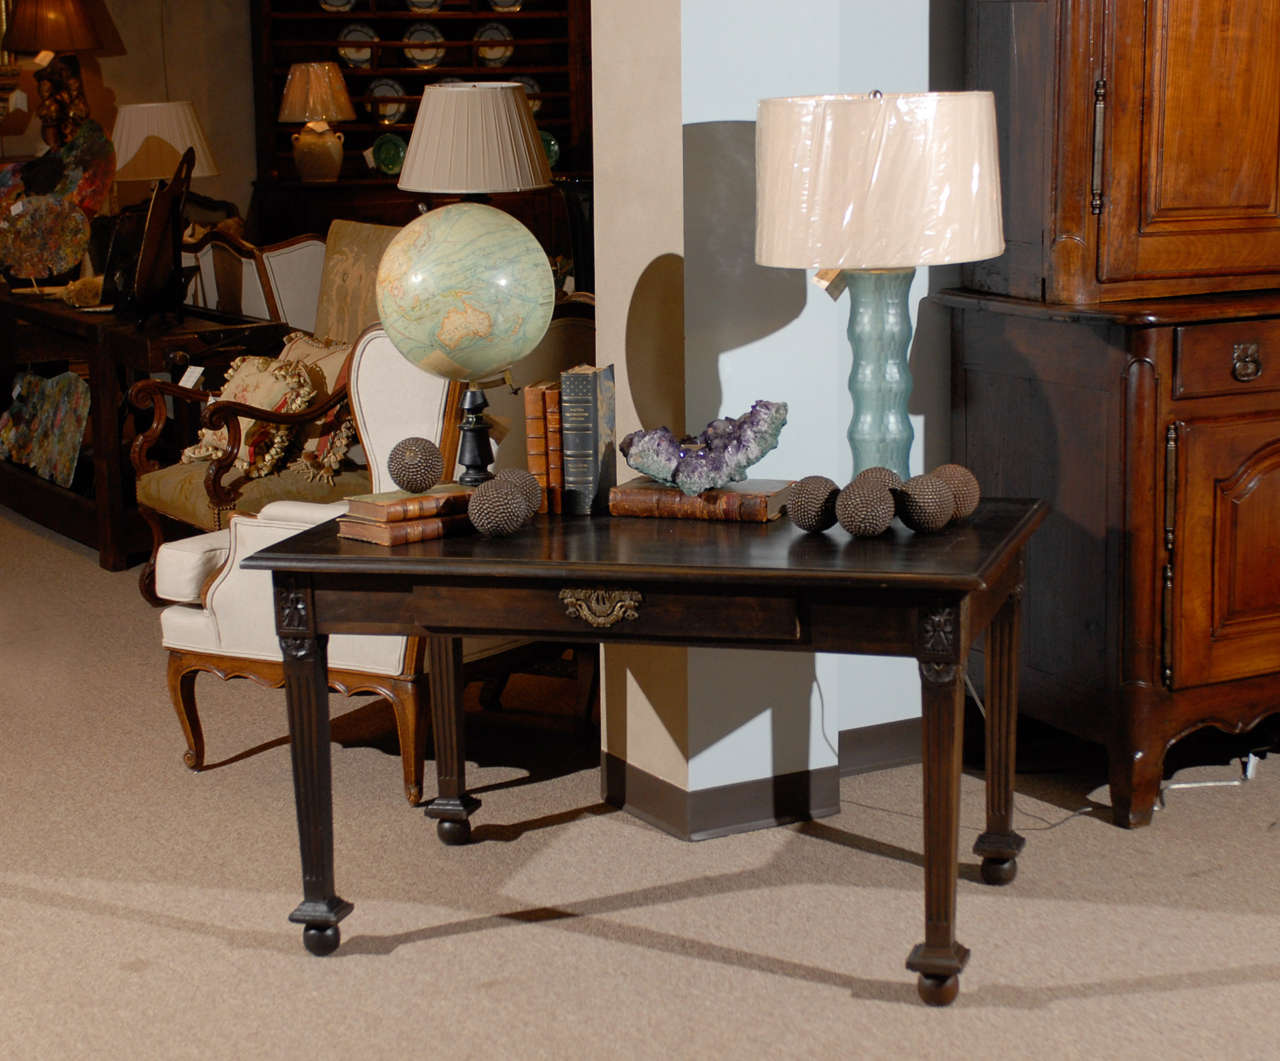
(1122, 361)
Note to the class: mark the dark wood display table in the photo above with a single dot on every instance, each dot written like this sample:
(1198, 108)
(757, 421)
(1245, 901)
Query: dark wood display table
(687, 582)
(38, 330)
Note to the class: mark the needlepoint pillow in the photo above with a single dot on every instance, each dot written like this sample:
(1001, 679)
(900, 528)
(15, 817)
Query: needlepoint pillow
(324, 443)
(265, 383)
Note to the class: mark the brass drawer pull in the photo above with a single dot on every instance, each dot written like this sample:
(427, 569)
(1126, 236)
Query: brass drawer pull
(601, 607)
(1246, 362)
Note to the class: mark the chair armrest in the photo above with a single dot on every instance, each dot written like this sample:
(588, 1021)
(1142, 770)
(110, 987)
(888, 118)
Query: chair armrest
(151, 393)
(227, 415)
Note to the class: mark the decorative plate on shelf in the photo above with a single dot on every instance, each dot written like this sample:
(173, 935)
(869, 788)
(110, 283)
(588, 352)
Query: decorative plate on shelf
(551, 146)
(388, 153)
(498, 53)
(506, 5)
(353, 53)
(427, 50)
(392, 111)
(423, 5)
(337, 5)
(531, 89)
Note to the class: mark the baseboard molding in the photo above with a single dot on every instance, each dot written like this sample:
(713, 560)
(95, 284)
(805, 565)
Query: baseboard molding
(736, 808)
(879, 747)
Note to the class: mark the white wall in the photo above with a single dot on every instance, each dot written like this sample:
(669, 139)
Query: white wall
(764, 333)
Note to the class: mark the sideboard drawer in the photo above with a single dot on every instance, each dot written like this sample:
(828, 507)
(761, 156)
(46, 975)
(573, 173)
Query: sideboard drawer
(1240, 357)
(609, 612)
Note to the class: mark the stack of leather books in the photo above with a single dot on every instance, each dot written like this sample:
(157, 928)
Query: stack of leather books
(395, 517)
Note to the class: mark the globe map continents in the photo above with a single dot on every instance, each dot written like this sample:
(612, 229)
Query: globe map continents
(465, 291)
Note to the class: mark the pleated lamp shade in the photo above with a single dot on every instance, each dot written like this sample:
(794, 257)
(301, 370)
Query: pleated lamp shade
(877, 181)
(49, 25)
(315, 92)
(473, 138)
(150, 138)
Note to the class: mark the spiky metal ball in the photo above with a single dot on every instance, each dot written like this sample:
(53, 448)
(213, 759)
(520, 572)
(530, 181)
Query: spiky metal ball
(528, 485)
(886, 477)
(865, 508)
(415, 464)
(812, 503)
(497, 508)
(963, 484)
(924, 503)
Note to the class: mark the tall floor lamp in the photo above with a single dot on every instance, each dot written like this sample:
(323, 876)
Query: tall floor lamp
(874, 186)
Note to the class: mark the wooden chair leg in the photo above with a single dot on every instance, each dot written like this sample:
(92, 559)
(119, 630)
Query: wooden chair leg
(182, 693)
(147, 576)
(408, 698)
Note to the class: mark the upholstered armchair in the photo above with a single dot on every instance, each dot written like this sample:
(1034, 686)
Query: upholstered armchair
(280, 430)
(221, 619)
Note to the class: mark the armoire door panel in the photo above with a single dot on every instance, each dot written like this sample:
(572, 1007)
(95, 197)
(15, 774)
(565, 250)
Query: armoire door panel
(1227, 551)
(1192, 140)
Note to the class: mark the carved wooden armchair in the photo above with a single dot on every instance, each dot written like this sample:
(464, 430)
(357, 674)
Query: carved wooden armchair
(304, 422)
(222, 622)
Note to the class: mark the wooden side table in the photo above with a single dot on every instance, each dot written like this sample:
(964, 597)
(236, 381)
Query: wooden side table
(35, 330)
(727, 585)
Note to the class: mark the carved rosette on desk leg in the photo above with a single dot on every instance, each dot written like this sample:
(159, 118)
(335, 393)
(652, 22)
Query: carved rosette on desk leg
(307, 692)
(941, 648)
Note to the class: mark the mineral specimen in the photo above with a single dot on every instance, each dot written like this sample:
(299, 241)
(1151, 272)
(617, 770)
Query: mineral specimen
(721, 454)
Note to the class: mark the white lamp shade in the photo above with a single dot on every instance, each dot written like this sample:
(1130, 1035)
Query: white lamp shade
(472, 137)
(877, 181)
(150, 138)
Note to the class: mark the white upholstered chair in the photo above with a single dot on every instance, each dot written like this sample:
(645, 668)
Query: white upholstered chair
(222, 621)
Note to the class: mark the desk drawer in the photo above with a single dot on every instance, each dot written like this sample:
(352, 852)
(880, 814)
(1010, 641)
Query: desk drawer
(607, 612)
(1235, 358)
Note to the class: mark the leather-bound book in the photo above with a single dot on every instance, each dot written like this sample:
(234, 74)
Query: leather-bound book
(587, 437)
(535, 434)
(555, 449)
(750, 501)
(409, 530)
(394, 506)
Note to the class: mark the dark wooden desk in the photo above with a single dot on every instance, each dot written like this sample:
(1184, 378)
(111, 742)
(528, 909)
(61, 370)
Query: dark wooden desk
(687, 582)
(36, 330)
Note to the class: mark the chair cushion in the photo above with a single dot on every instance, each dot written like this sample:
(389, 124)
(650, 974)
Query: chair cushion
(178, 492)
(267, 383)
(328, 362)
(184, 566)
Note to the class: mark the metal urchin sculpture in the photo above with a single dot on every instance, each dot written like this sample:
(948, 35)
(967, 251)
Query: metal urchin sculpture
(415, 464)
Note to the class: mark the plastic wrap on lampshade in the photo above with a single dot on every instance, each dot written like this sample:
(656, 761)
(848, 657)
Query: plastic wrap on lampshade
(877, 181)
(472, 138)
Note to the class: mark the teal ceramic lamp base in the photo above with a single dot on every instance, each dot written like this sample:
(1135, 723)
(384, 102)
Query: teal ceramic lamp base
(880, 333)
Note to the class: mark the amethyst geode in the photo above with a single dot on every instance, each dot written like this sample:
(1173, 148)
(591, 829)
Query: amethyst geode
(721, 454)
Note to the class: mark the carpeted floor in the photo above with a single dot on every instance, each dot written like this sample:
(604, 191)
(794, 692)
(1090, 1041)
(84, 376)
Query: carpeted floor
(145, 906)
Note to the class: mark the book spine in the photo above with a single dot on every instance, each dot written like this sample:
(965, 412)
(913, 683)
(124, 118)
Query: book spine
(672, 504)
(416, 530)
(586, 429)
(415, 508)
(535, 435)
(555, 451)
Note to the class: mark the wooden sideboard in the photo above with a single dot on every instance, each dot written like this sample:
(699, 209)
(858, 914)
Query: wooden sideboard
(1153, 430)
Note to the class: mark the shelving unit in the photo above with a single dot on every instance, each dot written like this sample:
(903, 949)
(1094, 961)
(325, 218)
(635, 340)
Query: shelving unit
(549, 44)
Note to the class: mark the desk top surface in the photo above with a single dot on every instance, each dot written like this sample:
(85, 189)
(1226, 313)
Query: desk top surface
(962, 557)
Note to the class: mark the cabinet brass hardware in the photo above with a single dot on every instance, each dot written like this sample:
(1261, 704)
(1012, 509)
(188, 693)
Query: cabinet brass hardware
(601, 607)
(1246, 362)
(1099, 140)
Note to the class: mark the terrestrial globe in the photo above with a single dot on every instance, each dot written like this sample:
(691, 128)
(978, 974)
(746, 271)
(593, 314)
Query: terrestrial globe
(465, 291)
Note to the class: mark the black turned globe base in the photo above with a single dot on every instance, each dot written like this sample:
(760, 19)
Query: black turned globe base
(475, 451)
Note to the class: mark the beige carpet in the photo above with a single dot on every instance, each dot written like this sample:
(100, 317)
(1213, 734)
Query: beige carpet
(145, 907)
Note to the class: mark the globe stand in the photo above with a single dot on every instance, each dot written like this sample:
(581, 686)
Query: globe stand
(475, 451)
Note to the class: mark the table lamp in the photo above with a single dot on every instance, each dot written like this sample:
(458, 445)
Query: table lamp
(874, 186)
(315, 94)
(465, 291)
(150, 139)
(53, 29)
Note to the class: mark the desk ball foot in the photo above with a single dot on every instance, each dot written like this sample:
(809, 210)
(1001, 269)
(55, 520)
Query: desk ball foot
(453, 833)
(938, 990)
(321, 940)
(999, 870)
